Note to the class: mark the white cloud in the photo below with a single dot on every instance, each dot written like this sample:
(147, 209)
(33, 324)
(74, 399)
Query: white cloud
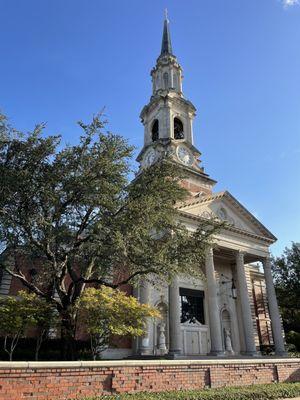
(290, 3)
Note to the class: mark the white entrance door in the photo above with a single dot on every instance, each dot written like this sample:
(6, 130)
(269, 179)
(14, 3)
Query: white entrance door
(192, 342)
(195, 339)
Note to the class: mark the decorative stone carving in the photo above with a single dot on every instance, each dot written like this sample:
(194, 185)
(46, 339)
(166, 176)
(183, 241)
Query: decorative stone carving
(228, 343)
(222, 214)
(162, 348)
(231, 221)
(206, 215)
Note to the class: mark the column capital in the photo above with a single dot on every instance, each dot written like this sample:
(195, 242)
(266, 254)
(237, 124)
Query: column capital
(240, 255)
(267, 262)
(210, 251)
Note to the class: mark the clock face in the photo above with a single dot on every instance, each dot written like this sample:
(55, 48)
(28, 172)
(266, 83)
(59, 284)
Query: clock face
(184, 155)
(149, 157)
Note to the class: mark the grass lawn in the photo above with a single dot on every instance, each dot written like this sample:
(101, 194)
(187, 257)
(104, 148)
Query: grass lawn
(255, 392)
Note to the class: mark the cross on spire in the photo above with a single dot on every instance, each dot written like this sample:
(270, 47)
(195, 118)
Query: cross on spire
(166, 15)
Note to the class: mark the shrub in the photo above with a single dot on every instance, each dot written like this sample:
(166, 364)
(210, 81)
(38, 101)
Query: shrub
(106, 312)
(293, 338)
(255, 392)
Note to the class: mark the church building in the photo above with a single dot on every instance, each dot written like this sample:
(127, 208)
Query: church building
(233, 311)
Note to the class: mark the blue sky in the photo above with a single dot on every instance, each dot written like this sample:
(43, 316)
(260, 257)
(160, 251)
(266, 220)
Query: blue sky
(64, 60)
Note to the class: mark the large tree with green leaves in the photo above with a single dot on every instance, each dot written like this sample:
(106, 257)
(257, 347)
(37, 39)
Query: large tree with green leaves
(74, 209)
(286, 271)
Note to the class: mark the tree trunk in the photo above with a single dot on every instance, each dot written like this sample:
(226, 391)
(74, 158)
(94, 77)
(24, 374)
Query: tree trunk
(68, 329)
(38, 345)
(13, 344)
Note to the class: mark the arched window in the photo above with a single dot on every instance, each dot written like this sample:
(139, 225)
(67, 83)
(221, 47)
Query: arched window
(157, 82)
(166, 80)
(178, 129)
(175, 81)
(155, 131)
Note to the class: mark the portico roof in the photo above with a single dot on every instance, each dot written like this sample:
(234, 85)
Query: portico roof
(190, 206)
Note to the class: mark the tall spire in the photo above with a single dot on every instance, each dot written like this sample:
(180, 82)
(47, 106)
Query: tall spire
(166, 47)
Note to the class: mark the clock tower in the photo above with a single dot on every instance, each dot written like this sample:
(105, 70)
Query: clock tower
(168, 122)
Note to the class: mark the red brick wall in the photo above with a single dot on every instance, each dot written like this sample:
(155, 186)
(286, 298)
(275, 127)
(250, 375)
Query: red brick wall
(62, 381)
(195, 188)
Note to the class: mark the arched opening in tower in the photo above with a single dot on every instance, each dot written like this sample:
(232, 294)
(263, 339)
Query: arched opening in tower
(178, 129)
(155, 131)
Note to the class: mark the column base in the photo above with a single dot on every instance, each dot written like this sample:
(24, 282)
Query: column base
(174, 354)
(281, 353)
(217, 353)
(251, 353)
(145, 352)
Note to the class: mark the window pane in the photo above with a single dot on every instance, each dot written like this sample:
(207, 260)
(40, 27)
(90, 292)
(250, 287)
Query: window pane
(192, 307)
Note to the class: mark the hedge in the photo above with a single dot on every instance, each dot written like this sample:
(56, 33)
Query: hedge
(256, 392)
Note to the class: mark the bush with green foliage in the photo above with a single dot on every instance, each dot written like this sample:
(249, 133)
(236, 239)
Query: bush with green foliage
(21, 312)
(18, 314)
(256, 392)
(106, 311)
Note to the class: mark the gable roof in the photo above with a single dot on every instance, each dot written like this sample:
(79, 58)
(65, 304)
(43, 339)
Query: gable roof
(225, 196)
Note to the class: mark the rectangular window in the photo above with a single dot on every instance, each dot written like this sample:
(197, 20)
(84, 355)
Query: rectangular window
(192, 305)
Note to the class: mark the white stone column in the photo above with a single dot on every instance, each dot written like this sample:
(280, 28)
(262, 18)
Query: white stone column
(273, 309)
(135, 339)
(175, 336)
(213, 306)
(144, 341)
(243, 297)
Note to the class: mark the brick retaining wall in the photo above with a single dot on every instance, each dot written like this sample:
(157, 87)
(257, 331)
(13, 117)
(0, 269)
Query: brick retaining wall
(72, 380)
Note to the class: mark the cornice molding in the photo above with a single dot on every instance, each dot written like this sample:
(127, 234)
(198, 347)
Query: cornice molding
(233, 201)
(229, 228)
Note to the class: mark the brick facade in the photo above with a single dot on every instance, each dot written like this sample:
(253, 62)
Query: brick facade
(194, 188)
(75, 380)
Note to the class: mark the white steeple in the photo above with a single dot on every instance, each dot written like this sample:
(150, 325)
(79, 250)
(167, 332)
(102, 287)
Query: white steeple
(168, 117)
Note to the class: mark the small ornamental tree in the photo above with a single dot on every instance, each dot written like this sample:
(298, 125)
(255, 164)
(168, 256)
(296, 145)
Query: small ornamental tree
(106, 312)
(16, 315)
(19, 313)
(73, 208)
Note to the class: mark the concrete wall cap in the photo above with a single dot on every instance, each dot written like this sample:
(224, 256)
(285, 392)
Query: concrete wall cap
(141, 363)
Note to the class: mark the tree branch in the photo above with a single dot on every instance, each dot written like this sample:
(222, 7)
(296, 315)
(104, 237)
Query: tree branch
(123, 282)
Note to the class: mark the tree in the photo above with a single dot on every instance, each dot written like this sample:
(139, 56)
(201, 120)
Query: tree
(286, 271)
(18, 313)
(106, 312)
(13, 322)
(43, 317)
(73, 209)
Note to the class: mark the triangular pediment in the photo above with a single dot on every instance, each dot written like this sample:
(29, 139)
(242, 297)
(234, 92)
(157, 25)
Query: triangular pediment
(225, 207)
